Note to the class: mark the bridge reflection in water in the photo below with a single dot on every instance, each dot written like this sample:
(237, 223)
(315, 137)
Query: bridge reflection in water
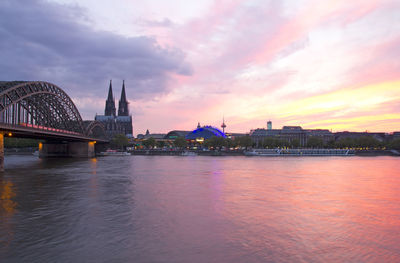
(41, 110)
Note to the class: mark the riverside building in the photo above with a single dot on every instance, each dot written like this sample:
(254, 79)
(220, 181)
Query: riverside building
(290, 134)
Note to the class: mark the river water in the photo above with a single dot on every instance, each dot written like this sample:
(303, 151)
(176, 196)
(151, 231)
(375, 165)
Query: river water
(200, 209)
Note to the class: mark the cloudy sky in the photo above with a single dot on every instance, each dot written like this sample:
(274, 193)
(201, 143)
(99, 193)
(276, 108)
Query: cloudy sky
(318, 64)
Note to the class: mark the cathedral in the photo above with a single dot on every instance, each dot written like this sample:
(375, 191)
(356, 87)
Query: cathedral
(113, 123)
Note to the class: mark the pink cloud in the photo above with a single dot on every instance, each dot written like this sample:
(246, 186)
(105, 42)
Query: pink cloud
(199, 29)
(230, 38)
(379, 64)
(317, 13)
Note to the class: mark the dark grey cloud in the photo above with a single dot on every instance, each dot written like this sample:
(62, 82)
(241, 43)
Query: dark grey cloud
(54, 42)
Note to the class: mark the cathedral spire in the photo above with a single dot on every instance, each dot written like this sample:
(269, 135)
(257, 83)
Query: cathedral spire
(110, 103)
(110, 93)
(123, 95)
(123, 109)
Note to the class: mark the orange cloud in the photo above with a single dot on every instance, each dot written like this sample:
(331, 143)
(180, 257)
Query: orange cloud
(339, 108)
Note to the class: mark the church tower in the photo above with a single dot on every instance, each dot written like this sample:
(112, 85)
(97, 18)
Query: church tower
(123, 109)
(121, 124)
(110, 103)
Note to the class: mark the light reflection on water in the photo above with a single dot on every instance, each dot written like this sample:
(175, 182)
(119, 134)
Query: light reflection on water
(200, 209)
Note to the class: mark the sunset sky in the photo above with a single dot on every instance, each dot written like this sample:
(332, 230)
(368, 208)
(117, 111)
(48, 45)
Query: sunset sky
(317, 64)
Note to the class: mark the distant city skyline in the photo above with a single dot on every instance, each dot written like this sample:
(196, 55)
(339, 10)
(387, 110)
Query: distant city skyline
(317, 64)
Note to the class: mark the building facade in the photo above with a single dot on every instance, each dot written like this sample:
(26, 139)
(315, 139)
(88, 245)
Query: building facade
(113, 123)
(290, 134)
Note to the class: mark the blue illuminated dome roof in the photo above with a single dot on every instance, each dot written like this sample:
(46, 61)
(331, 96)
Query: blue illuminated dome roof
(205, 132)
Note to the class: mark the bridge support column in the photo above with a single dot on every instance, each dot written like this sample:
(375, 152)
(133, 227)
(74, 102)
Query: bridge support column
(68, 149)
(53, 150)
(1, 152)
(81, 149)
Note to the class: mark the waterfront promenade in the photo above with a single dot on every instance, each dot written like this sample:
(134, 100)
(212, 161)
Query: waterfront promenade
(272, 152)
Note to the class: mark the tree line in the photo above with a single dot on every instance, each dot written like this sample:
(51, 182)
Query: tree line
(276, 142)
(121, 141)
(213, 142)
(10, 142)
(318, 142)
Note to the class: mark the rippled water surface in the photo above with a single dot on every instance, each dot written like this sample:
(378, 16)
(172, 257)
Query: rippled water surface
(200, 209)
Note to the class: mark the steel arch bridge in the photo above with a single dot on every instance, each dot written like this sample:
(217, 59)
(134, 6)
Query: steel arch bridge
(40, 109)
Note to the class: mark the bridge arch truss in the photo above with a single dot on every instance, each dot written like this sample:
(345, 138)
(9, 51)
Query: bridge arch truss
(39, 104)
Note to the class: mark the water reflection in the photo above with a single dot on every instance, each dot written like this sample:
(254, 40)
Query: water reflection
(7, 205)
(202, 209)
(93, 165)
(7, 209)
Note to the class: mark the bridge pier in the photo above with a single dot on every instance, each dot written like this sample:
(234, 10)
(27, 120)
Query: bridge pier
(1, 152)
(53, 150)
(81, 149)
(67, 149)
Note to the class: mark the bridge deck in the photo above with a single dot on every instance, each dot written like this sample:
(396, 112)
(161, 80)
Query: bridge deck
(45, 133)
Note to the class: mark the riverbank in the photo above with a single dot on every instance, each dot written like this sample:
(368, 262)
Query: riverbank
(171, 152)
(377, 153)
(187, 152)
(20, 151)
(175, 152)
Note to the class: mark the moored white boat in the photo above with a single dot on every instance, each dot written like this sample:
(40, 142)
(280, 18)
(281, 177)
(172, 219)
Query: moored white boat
(188, 153)
(263, 152)
(113, 153)
(300, 152)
